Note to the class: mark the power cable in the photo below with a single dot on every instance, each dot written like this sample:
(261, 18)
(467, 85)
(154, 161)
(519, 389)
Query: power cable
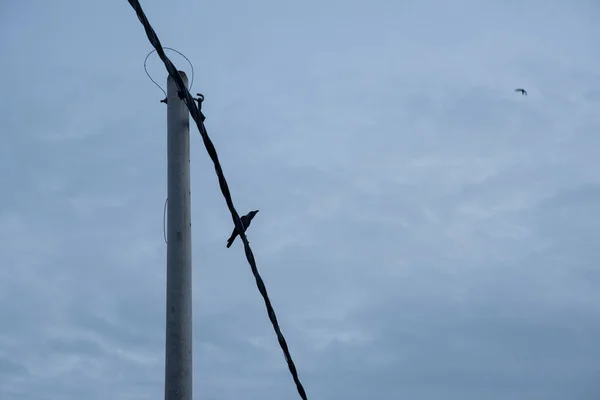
(199, 118)
(176, 51)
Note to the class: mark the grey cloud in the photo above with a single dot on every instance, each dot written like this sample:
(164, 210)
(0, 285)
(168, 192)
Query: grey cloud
(424, 231)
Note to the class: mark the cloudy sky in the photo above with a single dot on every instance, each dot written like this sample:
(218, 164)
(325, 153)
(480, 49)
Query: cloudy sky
(424, 231)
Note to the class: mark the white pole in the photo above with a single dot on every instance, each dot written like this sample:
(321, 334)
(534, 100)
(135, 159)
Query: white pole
(178, 348)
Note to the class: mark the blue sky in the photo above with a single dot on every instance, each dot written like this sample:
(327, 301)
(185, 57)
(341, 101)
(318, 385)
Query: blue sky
(425, 232)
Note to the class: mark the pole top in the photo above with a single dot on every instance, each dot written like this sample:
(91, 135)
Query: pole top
(181, 74)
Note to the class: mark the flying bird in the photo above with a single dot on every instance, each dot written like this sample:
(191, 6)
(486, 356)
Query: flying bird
(523, 91)
(246, 219)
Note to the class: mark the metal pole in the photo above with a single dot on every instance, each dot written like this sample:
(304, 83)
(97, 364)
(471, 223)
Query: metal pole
(178, 348)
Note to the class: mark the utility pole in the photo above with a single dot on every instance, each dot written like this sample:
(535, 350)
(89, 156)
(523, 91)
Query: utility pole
(178, 348)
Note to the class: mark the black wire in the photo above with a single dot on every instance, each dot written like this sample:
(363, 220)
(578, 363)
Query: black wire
(165, 221)
(210, 148)
(176, 51)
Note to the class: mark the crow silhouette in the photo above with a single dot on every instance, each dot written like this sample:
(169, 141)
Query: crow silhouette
(523, 91)
(246, 219)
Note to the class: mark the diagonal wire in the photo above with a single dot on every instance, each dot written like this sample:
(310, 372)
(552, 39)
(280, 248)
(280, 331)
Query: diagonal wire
(210, 148)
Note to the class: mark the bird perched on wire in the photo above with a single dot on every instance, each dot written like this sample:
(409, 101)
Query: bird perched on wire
(523, 91)
(246, 219)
